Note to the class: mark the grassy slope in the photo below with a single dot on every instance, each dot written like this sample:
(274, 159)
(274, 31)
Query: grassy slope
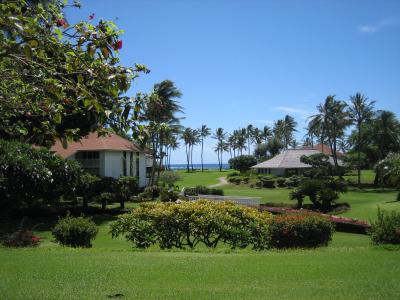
(340, 271)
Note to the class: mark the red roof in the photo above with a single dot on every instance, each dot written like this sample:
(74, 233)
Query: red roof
(93, 142)
(326, 150)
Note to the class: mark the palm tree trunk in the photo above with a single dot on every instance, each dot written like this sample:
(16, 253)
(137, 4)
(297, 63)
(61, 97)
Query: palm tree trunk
(187, 158)
(191, 157)
(202, 154)
(359, 156)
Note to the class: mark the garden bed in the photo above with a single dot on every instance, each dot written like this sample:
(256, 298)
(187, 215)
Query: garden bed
(342, 224)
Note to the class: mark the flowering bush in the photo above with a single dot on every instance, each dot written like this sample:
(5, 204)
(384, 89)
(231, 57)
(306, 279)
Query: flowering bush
(386, 229)
(75, 231)
(22, 238)
(190, 223)
(306, 230)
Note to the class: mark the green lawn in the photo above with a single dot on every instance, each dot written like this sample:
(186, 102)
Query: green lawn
(349, 268)
(208, 177)
(340, 271)
(364, 202)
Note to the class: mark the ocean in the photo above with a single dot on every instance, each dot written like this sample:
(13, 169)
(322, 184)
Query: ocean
(198, 166)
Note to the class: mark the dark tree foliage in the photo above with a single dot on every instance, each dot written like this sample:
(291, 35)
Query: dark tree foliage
(242, 163)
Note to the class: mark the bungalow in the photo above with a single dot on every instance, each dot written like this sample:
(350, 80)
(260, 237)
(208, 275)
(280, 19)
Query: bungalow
(288, 161)
(108, 156)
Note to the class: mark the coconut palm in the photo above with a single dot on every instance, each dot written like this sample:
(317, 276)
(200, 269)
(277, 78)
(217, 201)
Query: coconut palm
(266, 133)
(204, 132)
(221, 146)
(249, 135)
(331, 121)
(360, 111)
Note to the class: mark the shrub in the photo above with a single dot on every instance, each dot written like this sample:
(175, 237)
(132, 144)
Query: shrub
(268, 183)
(321, 192)
(246, 179)
(280, 182)
(192, 222)
(217, 192)
(168, 195)
(202, 190)
(299, 231)
(104, 199)
(127, 187)
(242, 163)
(75, 231)
(294, 181)
(259, 184)
(150, 193)
(87, 187)
(169, 178)
(234, 179)
(233, 174)
(23, 237)
(386, 229)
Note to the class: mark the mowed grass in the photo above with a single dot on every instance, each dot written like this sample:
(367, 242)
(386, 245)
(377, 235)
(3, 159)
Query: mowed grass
(349, 268)
(364, 202)
(340, 271)
(208, 177)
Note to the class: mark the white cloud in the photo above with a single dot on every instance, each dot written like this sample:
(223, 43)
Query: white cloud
(295, 110)
(265, 122)
(374, 28)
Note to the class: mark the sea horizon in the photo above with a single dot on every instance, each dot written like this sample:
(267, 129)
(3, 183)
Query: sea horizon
(198, 166)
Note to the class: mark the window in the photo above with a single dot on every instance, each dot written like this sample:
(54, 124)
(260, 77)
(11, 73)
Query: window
(87, 155)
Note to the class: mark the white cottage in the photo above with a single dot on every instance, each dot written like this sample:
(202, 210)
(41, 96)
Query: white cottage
(108, 156)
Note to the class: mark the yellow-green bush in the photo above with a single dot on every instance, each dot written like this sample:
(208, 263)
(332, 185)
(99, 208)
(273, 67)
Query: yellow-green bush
(189, 223)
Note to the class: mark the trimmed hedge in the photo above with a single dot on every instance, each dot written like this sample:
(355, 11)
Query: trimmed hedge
(203, 190)
(189, 223)
(75, 231)
(304, 230)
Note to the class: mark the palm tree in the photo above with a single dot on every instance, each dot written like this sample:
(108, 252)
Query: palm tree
(249, 135)
(187, 139)
(258, 135)
(279, 130)
(204, 132)
(266, 133)
(221, 146)
(331, 121)
(194, 140)
(360, 111)
(289, 127)
(160, 109)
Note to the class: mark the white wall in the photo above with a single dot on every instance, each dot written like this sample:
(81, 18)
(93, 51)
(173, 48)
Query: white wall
(112, 165)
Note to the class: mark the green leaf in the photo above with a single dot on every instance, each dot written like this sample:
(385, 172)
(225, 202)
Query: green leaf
(28, 51)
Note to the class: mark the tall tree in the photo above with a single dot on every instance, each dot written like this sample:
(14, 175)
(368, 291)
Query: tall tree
(331, 120)
(266, 133)
(360, 111)
(204, 132)
(249, 135)
(160, 113)
(221, 146)
(187, 139)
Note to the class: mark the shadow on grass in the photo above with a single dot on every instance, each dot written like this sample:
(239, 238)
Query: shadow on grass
(46, 223)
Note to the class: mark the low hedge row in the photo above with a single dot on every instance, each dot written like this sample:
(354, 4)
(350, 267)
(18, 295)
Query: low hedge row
(190, 223)
(202, 190)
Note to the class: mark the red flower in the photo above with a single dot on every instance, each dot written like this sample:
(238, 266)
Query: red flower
(91, 17)
(118, 45)
(61, 22)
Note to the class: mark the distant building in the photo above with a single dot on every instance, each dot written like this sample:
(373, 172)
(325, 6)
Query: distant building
(108, 156)
(288, 161)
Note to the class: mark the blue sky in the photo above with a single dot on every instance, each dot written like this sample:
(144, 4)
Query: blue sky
(252, 62)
